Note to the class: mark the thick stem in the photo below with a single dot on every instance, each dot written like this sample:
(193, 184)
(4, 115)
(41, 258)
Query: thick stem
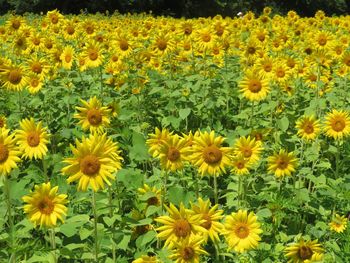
(53, 243)
(10, 220)
(95, 225)
(164, 189)
(110, 203)
(45, 169)
(216, 198)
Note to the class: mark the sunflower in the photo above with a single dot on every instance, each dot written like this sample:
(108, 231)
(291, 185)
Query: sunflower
(173, 153)
(92, 55)
(242, 231)
(240, 165)
(254, 86)
(180, 224)
(13, 77)
(44, 206)
(337, 124)
(153, 194)
(188, 250)
(208, 154)
(32, 139)
(35, 83)
(205, 39)
(37, 66)
(94, 163)
(8, 152)
(156, 140)
(308, 127)
(249, 148)
(54, 16)
(338, 223)
(282, 163)
(93, 116)
(67, 57)
(146, 259)
(212, 216)
(304, 251)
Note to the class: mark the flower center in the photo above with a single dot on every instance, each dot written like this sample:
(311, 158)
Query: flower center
(242, 231)
(15, 76)
(36, 41)
(4, 153)
(90, 165)
(308, 128)
(251, 50)
(247, 152)
(207, 223)
(254, 85)
(240, 164)
(267, 67)
(93, 54)
(34, 83)
(68, 58)
(94, 117)
(206, 37)
(338, 125)
(173, 154)
(322, 40)
(54, 19)
(280, 73)
(187, 253)
(46, 206)
(182, 228)
(70, 30)
(161, 44)
(36, 67)
(282, 163)
(123, 44)
(212, 154)
(305, 252)
(153, 200)
(33, 139)
(16, 24)
(346, 60)
(313, 77)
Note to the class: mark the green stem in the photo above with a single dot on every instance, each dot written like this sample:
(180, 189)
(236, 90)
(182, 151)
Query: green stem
(101, 87)
(95, 225)
(10, 220)
(110, 203)
(251, 116)
(216, 198)
(337, 159)
(45, 169)
(239, 192)
(53, 243)
(164, 189)
(217, 251)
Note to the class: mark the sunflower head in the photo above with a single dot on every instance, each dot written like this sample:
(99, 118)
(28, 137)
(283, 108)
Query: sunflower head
(337, 124)
(304, 251)
(338, 223)
(44, 206)
(282, 163)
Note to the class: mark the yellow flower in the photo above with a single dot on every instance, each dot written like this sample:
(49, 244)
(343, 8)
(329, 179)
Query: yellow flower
(173, 153)
(308, 127)
(32, 139)
(282, 163)
(8, 152)
(156, 140)
(242, 231)
(153, 194)
(13, 77)
(180, 224)
(67, 57)
(254, 86)
(337, 124)
(304, 252)
(94, 163)
(92, 55)
(93, 115)
(240, 165)
(208, 155)
(44, 206)
(188, 250)
(211, 216)
(249, 148)
(338, 223)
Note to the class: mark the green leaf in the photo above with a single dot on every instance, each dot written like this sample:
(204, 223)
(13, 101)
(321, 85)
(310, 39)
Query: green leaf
(85, 233)
(183, 113)
(263, 213)
(156, 90)
(138, 151)
(283, 123)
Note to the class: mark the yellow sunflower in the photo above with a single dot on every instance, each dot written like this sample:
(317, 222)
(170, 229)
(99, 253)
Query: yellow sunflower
(153, 194)
(32, 139)
(304, 252)
(188, 250)
(92, 55)
(93, 115)
(8, 152)
(242, 231)
(209, 155)
(67, 57)
(338, 223)
(156, 140)
(282, 163)
(180, 223)
(94, 163)
(212, 217)
(173, 153)
(308, 127)
(254, 86)
(44, 206)
(13, 77)
(240, 165)
(249, 148)
(337, 124)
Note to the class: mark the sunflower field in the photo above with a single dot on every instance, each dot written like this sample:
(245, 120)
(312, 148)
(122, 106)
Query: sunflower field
(134, 138)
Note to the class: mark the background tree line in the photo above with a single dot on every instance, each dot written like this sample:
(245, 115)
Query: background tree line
(179, 8)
